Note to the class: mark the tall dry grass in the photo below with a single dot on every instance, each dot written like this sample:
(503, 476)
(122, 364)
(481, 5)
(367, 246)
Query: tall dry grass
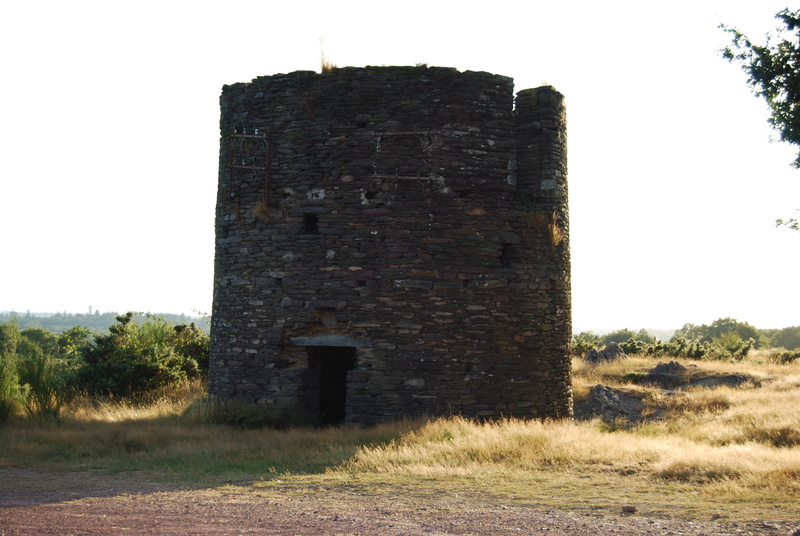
(701, 449)
(171, 435)
(736, 445)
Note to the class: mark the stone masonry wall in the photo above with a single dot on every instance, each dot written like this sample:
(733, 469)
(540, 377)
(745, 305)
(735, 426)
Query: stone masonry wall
(402, 225)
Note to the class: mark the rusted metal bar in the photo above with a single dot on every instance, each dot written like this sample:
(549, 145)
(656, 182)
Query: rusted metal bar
(267, 166)
(249, 161)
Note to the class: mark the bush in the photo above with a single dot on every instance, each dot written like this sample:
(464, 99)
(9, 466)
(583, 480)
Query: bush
(720, 328)
(43, 380)
(583, 342)
(788, 338)
(624, 335)
(11, 393)
(787, 356)
(133, 359)
(9, 339)
(727, 346)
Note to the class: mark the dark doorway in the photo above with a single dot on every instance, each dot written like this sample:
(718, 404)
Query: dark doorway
(332, 363)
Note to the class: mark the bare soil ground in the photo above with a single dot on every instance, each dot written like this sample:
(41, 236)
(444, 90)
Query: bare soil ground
(37, 503)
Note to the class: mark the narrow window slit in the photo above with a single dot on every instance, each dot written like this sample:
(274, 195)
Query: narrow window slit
(310, 224)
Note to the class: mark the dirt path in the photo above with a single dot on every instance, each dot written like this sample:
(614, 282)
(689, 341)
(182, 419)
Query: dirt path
(79, 504)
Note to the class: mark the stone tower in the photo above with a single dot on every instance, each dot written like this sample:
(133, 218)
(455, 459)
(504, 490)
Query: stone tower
(392, 241)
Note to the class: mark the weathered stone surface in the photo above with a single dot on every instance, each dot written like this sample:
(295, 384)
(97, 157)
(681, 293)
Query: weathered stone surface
(728, 380)
(611, 352)
(665, 375)
(371, 210)
(611, 404)
(673, 375)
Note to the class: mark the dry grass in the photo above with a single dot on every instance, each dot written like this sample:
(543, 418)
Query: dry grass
(162, 404)
(326, 65)
(710, 450)
(730, 448)
(170, 435)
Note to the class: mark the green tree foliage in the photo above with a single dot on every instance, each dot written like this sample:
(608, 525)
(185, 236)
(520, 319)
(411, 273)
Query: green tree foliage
(9, 338)
(788, 338)
(46, 340)
(627, 339)
(717, 329)
(725, 338)
(625, 335)
(135, 358)
(11, 392)
(40, 370)
(773, 72)
(96, 322)
(32, 377)
(43, 377)
(583, 342)
(74, 342)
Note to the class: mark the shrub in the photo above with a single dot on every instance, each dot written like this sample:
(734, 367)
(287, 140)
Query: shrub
(632, 377)
(719, 328)
(133, 359)
(9, 338)
(788, 338)
(42, 379)
(11, 393)
(74, 342)
(785, 357)
(634, 346)
(730, 345)
(583, 342)
(623, 335)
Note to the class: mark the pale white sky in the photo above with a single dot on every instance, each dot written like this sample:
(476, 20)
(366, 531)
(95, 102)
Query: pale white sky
(109, 143)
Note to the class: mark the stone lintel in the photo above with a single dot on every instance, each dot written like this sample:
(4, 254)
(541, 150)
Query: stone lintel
(331, 340)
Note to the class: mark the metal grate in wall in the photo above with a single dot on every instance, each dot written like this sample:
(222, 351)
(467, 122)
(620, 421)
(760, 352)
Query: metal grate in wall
(249, 156)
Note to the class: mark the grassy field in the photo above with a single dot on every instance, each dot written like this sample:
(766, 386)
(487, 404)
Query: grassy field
(734, 452)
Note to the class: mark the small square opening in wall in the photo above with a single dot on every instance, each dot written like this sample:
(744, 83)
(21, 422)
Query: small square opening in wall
(508, 253)
(310, 224)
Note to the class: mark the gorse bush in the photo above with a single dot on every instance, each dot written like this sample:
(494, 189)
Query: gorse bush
(33, 378)
(723, 328)
(43, 379)
(134, 358)
(725, 338)
(9, 339)
(40, 371)
(583, 342)
(728, 346)
(11, 392)
(788, 338)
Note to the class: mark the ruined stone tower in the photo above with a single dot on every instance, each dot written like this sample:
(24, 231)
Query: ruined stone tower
(392, 241)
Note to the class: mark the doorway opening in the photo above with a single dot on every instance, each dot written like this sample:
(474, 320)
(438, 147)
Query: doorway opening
(331, 364)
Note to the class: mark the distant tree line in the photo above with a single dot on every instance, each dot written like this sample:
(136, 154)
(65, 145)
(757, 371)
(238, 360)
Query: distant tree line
(60, 322)
(723, 338)
(41, 371)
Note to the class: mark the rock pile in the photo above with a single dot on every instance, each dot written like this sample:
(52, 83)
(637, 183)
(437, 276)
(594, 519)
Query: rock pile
(665, 375)
(613, 404)
(611, 352)
(610, 404)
